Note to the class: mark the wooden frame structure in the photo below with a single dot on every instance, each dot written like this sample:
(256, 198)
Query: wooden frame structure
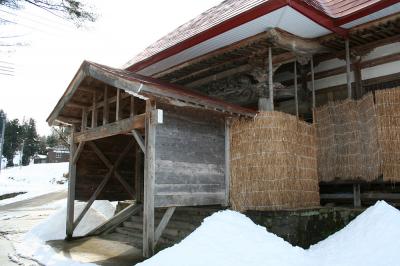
(120, 128)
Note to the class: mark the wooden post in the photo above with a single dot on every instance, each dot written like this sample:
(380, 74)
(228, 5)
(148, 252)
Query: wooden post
(270, 80)
(138, 173)
(71, 187)
(348, 63)
(117, 105)
(296, 100)
(84, 119)
(106, 109)
(357, 195)
(227, 160)
(94, 111)
(312, 82)
(132, 106)
(149, 176)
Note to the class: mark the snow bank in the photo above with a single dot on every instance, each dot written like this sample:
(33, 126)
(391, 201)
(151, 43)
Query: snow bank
(35, 179)
(230, 238)
(373, 238)
(53, 228)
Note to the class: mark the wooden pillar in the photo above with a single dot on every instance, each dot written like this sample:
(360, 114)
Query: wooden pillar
(227, 160)
(138, 173)
(71, 187)
(348, 66)
(106, 108)
(312, 82)
(149, 179)
(94, 111)
(296, 100)
(84, 119)
(359, 90)
(132, 113)
(117, 105)
(357, 195)
(270, 80)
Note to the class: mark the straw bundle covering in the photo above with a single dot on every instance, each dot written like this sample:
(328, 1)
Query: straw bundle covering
(388, 111)
(273, 163)
(347, 142)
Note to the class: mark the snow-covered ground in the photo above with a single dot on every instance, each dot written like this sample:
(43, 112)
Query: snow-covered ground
(34, 179)
(33, 244)
(230, 238)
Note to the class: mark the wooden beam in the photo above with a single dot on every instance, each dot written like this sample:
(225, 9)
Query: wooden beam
(278, 59)
(139, 140)
(116, 220)
(103, 183)
(227, 49)
(71, 188)
(138, 173)
(117, 105)
(119, 127)
(227, 160)
(94, 110)
(106, 107)
(270, 80)
(84, 119)
(296, 99)
(78, 152)
(107, 163)
(348, 70)
(69, 120)
(312, 82)
(163, 224)
(77, 105)
(149, 179)
(132, 107)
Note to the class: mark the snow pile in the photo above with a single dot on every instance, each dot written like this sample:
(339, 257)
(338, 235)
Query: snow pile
(230, 238)
(53, 228)
(35, 179)
(373, 238)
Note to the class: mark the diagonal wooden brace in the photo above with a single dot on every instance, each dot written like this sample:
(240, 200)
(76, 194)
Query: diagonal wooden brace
(107, 162)
(112, 168)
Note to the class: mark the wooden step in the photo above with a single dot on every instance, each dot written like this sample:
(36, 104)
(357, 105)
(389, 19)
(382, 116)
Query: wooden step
(173, 223)
(135, 233)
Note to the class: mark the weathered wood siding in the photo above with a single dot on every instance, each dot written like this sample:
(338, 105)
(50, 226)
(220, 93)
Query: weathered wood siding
(91, 170)
(190, 158)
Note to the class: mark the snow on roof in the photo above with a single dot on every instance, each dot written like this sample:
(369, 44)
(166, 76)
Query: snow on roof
(230, 238)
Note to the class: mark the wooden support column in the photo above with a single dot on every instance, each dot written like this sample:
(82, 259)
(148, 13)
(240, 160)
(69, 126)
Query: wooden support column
(132, 113)
(149, 179)
(359, 90)
(357, 195)
(227, 160)
(84, 119)
(71, 187)
(270, 80)
(106, 109)
(312, 82)
(296, 100)
(117, 106)
(94, 110)
(348, 69)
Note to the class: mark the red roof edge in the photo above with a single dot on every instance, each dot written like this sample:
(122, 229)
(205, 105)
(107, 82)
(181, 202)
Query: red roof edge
(233, 22)
(258, 11)
(365, 11)
(317, 16)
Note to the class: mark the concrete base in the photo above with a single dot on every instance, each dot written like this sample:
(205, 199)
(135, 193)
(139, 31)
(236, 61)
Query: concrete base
(98, 250)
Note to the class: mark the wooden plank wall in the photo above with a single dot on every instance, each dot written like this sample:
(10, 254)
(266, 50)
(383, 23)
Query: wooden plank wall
(91, 170)
(190, 158)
